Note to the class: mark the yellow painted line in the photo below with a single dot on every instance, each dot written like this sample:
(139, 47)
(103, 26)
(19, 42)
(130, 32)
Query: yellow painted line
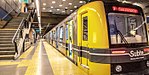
(3, 63)
(34, 64)
(60, 64)
(25, 54)
(8, 29)
(11, 62)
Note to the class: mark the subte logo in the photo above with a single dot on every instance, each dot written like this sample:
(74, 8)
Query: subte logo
(136, 53)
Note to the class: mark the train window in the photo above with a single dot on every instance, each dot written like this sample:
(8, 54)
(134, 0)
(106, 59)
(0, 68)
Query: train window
(66, 32)
(54, 36)
(57, 29)
(51, 35)
(85, 28)
(126, 28)
(61, 34)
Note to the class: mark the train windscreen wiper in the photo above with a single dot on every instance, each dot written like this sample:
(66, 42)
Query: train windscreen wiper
(118, 32)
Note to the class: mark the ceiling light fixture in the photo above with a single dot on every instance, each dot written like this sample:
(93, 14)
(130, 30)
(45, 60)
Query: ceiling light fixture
(43, 8)
(70, 3)
(63, 0)
(50, 10)
(75, 13)
(63, 11)
(51, 6)
(60, 5)
(66, 7)
(71, 10)
(136, 4)
(80, 1)
(44, 4)
(53, 2)
(126, 2)
(75, 6)
(57, 9)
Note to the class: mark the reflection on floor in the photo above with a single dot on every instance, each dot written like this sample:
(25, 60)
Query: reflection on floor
(41, 59)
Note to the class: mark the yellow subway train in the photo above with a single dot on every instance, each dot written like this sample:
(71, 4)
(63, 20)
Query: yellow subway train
(104, 38)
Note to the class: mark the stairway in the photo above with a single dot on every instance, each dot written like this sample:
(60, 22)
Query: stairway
(7, 48)
(14, 23)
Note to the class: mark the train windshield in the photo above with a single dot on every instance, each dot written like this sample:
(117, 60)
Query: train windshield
(126, 28)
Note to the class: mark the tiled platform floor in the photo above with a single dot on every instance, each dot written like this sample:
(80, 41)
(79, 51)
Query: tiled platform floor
(41, 59)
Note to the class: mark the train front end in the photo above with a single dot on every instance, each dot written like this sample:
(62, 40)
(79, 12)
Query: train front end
(128, 39)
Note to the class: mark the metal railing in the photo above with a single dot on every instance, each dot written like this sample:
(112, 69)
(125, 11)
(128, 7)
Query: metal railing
(19, 28)
(19, 37)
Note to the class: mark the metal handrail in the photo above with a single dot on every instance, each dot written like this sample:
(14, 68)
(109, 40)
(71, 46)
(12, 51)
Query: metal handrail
(28, 16)
(34, 13)
(31, 14)
(13, 39)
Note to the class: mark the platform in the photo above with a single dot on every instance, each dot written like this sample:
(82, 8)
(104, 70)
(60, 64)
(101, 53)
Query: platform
(41, 59)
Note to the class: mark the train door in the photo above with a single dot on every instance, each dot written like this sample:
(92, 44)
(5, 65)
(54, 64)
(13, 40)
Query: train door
(84, 30)
(57, 37)
(70, 39)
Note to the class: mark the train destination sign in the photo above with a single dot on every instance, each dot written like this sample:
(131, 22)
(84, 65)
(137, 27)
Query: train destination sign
(125, 9)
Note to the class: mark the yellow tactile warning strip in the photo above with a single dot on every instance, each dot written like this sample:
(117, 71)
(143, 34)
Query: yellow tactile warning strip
(11, 62)
(24, 55)
(33, 64)
(60, 64)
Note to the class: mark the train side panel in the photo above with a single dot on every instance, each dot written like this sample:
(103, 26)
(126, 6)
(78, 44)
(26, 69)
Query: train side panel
(97, 38)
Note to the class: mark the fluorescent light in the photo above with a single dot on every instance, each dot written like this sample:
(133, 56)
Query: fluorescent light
(53, 2)
(75, 6)
(43, 8)
(57, 9)
(44, 4)
(63, 0)
(51, 6)
(60, 5)
(70, 3)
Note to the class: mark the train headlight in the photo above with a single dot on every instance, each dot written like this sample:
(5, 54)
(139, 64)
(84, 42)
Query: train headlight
(118, 68)
(147, 63)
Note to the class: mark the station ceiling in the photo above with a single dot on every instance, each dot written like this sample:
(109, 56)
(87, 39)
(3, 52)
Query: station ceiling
(60, 6)
(68, 6)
